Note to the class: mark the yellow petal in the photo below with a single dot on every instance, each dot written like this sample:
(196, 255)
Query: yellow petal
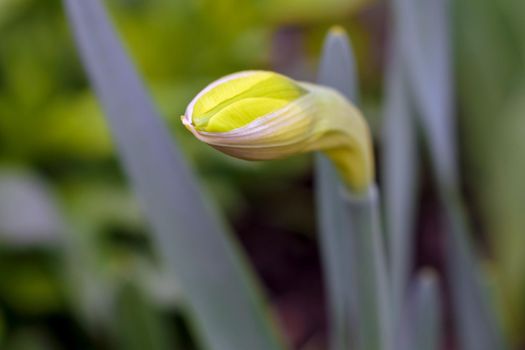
(235, 88)
(242, 112)
(272, 117)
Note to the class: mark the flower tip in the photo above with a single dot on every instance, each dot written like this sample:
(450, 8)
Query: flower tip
(337, 30)
(186, 121)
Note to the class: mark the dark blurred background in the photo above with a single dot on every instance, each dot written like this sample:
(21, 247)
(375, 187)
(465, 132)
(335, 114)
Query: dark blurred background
(71, 232)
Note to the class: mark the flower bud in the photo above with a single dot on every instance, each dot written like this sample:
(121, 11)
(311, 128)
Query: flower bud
(260, 115)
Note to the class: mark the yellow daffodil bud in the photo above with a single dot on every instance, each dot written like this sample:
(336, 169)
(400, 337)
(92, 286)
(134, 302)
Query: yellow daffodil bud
(260, 115)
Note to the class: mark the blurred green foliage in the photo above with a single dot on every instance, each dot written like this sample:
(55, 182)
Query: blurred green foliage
(490, 56)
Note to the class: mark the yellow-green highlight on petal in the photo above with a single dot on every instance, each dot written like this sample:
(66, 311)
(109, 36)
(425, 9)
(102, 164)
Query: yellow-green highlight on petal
(261, 115)
(267, 92)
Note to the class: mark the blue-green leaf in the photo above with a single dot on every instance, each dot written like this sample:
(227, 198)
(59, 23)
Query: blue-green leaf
(350, 233)
(425, 44)
(422, 30)
(400, 178)
(336, 70)
(220, 289)
(422, 322)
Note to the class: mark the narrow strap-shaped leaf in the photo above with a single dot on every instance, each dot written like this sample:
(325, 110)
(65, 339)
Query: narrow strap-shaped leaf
(476, 321)
(220, 290)
(337, 65)
(422, 323)
(371, 283)
(336, 70)
(350, 232)
(427, 312)
(400, 176)
(423, 29)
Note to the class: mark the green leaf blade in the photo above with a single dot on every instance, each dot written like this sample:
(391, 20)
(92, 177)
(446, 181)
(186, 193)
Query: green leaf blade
(424, 39)
(422, 323)
(220, 289)
(350, 232)
(336, 70)
(400, 179)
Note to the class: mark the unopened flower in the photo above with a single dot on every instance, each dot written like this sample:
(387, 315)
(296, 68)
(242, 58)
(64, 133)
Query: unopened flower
(261, 115)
